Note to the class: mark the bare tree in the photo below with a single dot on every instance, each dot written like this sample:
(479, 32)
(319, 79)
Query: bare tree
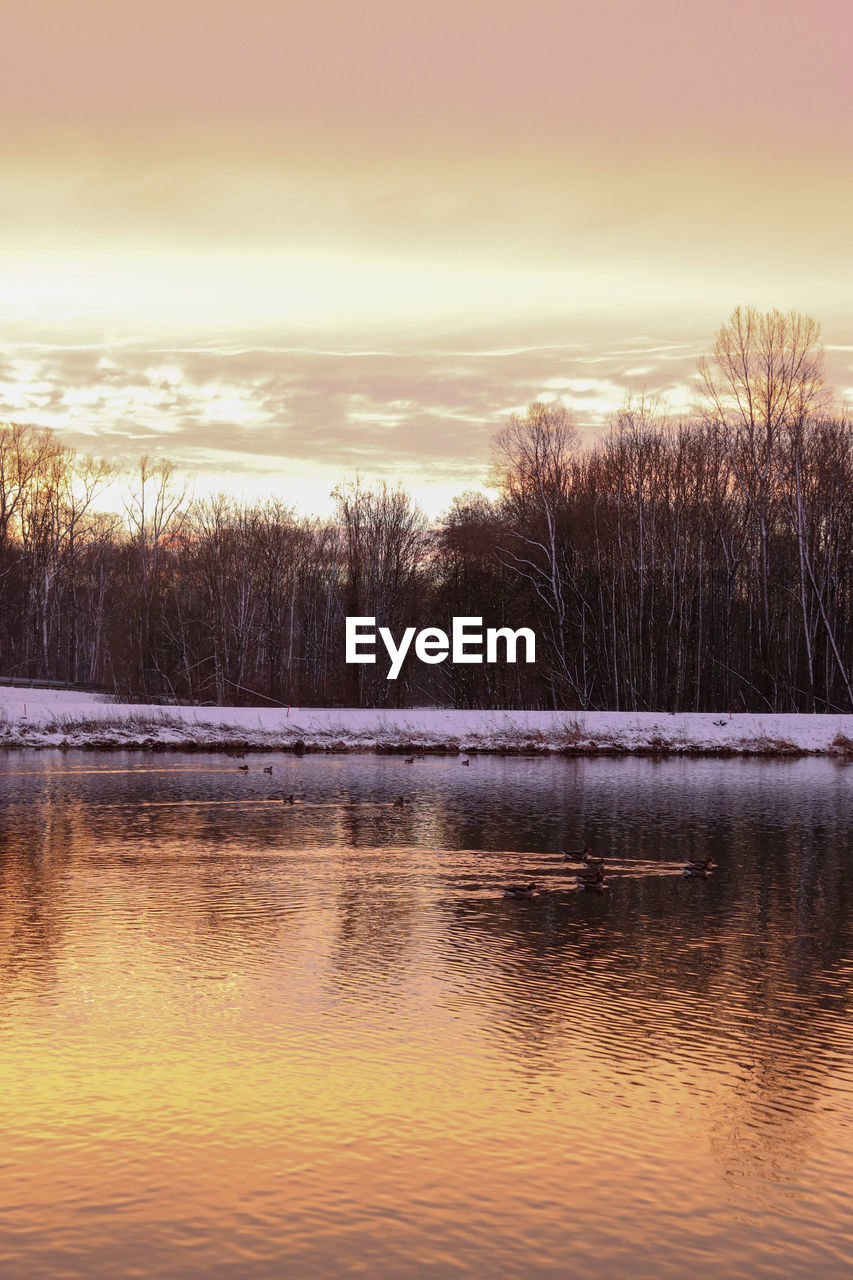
(386, 543)
(155, 514)
(699, 564)
(763, 375)
(533, 465)
(24, 453)
(761, 382)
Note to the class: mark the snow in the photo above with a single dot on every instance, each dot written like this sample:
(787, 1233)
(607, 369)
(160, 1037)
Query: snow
(32, 717)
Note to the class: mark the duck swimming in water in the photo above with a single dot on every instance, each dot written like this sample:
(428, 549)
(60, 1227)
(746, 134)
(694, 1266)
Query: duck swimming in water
(591, 879)
(702, 868)
(520, 890)
(578, 855)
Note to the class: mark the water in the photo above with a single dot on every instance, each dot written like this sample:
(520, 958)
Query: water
(245, 1039)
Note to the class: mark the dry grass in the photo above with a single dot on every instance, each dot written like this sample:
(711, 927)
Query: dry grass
(763, 745)
(174, 728)
(132, 723)
(572, 735)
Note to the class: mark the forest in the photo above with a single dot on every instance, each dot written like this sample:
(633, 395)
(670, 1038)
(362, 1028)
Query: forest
(699, 563)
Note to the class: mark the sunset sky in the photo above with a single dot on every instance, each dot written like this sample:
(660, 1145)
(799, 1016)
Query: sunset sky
(280, 243)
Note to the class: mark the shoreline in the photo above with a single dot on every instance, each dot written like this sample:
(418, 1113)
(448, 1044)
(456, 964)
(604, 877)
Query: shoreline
(45, 719)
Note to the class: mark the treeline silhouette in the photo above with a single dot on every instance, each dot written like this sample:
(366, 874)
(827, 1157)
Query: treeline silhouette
(699, 564)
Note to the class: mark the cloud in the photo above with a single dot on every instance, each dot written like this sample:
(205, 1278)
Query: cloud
(407, 407)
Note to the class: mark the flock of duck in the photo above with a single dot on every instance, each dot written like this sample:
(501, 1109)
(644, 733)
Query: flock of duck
(399, 803)
(591, 876)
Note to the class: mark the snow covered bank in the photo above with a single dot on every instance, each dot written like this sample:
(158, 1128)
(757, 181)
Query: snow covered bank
(56, 718)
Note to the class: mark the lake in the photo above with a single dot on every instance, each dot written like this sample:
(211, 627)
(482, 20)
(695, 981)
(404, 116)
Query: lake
(246, 1038)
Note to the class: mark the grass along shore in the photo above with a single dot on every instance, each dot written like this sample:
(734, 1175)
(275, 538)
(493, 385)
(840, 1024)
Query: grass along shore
(41, 718)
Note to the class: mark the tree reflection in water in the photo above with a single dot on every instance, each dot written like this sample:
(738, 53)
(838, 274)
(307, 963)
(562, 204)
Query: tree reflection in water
(347, 970)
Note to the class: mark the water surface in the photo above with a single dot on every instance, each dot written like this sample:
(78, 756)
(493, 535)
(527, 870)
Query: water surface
(242, 1038)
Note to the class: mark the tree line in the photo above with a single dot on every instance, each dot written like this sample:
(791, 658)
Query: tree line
(694, 564)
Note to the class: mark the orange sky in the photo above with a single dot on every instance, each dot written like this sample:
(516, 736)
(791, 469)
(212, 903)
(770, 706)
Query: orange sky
(274, 241)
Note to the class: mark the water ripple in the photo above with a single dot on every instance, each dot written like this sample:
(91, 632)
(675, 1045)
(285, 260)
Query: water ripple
(242, 1038)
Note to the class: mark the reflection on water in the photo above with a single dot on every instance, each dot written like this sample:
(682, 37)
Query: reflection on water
(242, 1038)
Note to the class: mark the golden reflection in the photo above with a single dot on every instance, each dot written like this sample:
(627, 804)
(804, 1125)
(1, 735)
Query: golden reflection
(241, 1032)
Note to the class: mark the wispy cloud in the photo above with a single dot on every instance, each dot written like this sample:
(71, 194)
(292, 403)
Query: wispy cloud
(424, 414)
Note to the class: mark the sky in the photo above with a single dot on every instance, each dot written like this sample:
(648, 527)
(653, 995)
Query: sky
(280, 244)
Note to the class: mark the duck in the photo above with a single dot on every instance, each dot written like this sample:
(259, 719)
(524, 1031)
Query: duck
(268, 769)
(593, 882)
(243, 768)
(700, 868)
(578, 855)
(591, 877)
(520, 890)
(288, 799)
(409, 760)
(591, 873)
(466, 761)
